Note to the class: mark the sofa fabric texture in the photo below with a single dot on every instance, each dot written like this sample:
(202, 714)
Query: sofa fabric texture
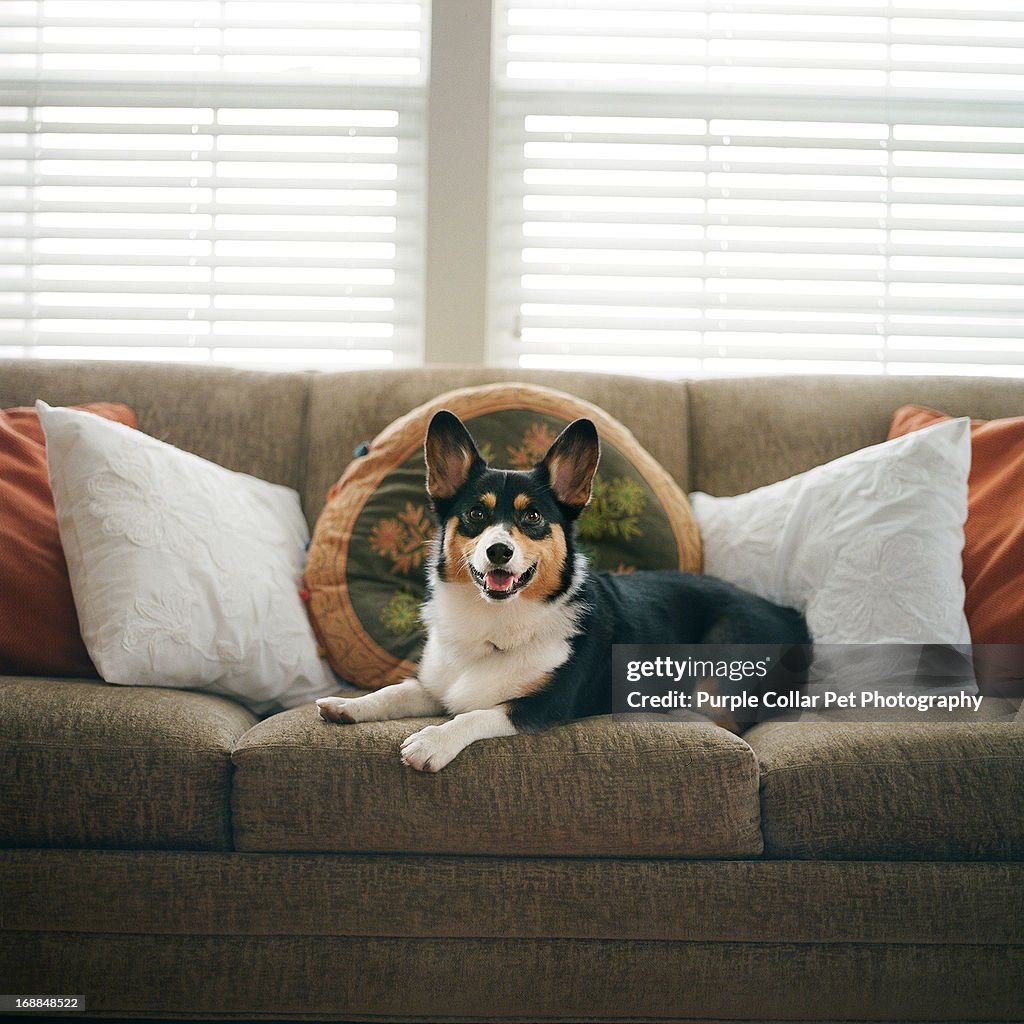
(169, 855)
(87, 764)
(747, 433)
(247, 421)
(881, 792)
(486, 979)
(643, 788)
(668, 898)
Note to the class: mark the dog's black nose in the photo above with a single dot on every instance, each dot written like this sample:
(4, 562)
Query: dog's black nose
(499, 554)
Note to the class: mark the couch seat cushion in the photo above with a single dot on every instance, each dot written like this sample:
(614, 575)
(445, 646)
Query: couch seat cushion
(87, 764)
(596, 787)
(925, 791)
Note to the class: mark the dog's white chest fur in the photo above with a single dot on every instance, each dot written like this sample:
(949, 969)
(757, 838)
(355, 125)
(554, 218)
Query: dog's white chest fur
(480, 654)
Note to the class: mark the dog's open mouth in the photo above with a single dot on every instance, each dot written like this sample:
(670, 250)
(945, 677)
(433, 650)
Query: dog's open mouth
(500, 583)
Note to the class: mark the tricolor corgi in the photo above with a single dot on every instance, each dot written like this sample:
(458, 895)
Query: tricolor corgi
(519, 628)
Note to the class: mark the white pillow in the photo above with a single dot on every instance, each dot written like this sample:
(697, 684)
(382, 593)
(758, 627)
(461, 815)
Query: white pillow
(868, 547)
(184, 573)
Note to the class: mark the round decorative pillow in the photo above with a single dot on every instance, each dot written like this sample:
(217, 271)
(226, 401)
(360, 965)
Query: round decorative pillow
(366, 569)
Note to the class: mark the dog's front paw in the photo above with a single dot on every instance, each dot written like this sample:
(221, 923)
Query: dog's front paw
(338, 709)
(427, 751)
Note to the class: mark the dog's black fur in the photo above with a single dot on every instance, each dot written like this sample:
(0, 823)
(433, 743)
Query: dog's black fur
(643, 607)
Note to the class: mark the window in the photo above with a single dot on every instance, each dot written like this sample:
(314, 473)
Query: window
(218, 180)
(759, 186)
(677, 187)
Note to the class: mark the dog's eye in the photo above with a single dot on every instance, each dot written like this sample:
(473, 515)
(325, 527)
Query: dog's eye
(476, 514)
(532, 517)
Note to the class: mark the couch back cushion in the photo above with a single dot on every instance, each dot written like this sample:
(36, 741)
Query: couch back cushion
(349, 409)
(249, 421)
(754, 431)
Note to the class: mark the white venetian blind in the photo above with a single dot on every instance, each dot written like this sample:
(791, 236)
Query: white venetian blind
(212, 179)
(757, 186)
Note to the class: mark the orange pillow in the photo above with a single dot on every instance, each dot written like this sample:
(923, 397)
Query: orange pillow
(39, 631)
(994, 531)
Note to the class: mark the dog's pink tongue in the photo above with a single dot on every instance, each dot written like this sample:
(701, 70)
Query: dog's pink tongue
(500, 580)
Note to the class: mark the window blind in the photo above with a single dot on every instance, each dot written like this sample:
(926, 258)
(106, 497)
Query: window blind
(759, 186)
(212, 180)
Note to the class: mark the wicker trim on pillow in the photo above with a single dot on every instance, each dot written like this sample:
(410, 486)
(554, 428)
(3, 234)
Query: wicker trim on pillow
(351, 651)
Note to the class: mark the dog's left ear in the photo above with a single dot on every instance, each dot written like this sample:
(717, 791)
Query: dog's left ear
(571, 463)
(450, 453)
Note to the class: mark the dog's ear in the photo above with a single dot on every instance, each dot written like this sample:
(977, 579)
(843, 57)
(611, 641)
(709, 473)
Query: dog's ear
(451, 455)
(571, 463)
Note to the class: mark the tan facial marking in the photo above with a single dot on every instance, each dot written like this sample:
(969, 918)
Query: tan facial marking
(457, 552)
(521, 501)
(549, 554)
(489, 500)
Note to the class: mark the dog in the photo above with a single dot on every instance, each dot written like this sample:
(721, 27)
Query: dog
(519, 628)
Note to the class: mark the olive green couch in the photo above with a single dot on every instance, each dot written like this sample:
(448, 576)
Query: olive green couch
(165, 854)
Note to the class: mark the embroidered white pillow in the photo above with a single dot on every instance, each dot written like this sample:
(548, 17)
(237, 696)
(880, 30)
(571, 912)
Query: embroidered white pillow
(184, 573)
(868, 547)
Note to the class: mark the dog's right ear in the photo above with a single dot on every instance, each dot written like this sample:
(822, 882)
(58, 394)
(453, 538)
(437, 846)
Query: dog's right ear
(451, 455)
